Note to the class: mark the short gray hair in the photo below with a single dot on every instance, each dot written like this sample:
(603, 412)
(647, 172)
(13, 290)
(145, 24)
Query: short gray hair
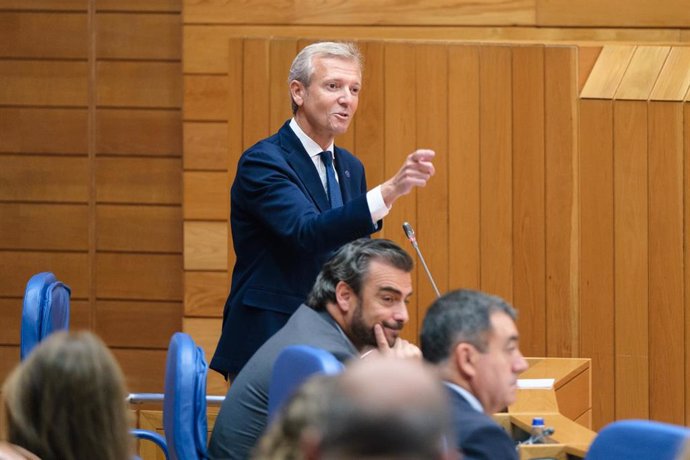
(302, 67)
(459, 316)
(350, 264)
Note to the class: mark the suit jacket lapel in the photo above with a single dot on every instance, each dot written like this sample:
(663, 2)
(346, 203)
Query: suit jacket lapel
(298, 158)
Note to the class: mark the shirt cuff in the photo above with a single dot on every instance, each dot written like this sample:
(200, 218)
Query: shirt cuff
(377, 207)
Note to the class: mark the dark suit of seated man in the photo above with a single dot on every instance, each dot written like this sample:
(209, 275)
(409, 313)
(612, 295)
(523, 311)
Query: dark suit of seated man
(357, 304)
(472, 338)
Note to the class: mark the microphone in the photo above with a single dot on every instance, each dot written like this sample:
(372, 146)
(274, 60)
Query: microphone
(407, 228)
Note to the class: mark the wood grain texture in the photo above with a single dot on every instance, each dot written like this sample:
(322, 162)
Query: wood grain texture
(612, 13)
(131, 228)
(281, 54)
(432, 200)
(631, 259)
(138, 84)
(43, 35)
(256, 106)
(496, 181)
(129, 324)
(44, 226)
(666, 289)
(686, 260)
(138, 132)
(9, 358)
(205, 245)
(464, 259)
(642, 72)
(529, 240)
(562, 204)
(171, 6)
(206, 196)
(139, 276)
(44, 178)
(597, 280)
(587, 57)
(205, 98)
(608, 72)
(205, 293)
(11, 313)
(17, 267)
(355, 12)
(205, 146)
(46, 83)
(139, 180)
(38, 130)
(674, 78)
(144, 369)
(69, 5)
(138, 36)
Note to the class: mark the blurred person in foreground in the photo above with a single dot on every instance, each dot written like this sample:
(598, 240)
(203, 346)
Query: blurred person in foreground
(358, 305)
(472, 339)
(66, 401)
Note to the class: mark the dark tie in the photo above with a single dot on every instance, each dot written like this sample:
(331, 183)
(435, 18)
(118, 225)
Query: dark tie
(334, 196)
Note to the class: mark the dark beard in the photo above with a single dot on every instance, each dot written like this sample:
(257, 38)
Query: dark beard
(362, 335)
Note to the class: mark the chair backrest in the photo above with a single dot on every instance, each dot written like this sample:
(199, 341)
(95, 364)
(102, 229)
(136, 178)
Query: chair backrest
(292, 367)
(184, 406)
(45, 310)
(638, 439)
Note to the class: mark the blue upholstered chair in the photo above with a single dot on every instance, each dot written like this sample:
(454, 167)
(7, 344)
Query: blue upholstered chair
(184, 404)
(292, 367)
(45, 310)
(638, 439)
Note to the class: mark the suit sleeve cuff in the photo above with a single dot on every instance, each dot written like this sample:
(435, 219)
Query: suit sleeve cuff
(377, 207)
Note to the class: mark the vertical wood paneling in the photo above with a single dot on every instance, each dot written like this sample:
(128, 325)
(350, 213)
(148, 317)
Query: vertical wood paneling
(401, 139)
(256, 79)
(631, 259)
(369, 131)
(561, 202)
(596, 253)
(666, 293)
(495, 121)
(463, 167)
(686, 186)
(281, 54)
(432, 200)
(528, 198)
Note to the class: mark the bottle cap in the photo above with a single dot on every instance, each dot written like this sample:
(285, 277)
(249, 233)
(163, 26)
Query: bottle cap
(538, 421)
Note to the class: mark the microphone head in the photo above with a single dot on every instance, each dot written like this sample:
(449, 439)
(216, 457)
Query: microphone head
(407, 228)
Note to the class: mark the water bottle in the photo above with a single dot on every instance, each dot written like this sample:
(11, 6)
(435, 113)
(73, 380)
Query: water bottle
(537, 433)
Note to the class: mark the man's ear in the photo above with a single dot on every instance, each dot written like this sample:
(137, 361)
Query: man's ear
(297, 90)
(343, 296)
(466, 356)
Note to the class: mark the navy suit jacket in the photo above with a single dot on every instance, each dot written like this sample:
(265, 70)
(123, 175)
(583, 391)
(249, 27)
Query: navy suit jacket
(477, 435)
(283, 231)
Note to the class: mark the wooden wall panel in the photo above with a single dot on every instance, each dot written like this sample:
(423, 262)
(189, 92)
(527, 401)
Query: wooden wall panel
(138, 180)
(40, 178)
(613, 13)
(11, 312)
(136, 276)
(429, 12)
(642, 72)
(463, 168)
(529, 239)
(496, 182)
(400, 140)
(42, 35)
(256, 106)
(128, 324)
(206, 196)
(674, 78)
(205, 146)
(16, 267)
(9, 358)
(139, 228)
(158, 6)
(562, 201)
(281, 54)
(432, 208)
(666, 290)
(686, 260)
(138, 84)
(144, 369)
(40, 130)
(138, 36)
(206, 98)
(68, 5)
(138, 132)
(631, 259)
(46, 83)
(597, 254)
(44, 226)
(608, 72)
(205, 293)
(205, 245)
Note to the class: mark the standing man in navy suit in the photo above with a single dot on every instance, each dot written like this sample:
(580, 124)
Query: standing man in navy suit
(472, 339)
(297, 198)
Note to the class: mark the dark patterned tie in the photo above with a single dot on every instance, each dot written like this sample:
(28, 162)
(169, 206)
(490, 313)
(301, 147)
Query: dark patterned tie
(334, 196)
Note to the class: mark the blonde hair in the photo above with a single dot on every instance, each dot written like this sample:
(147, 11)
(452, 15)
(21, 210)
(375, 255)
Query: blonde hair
(67, 401)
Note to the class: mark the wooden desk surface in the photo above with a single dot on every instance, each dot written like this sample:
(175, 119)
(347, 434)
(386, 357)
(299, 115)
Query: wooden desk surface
(574, 436)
